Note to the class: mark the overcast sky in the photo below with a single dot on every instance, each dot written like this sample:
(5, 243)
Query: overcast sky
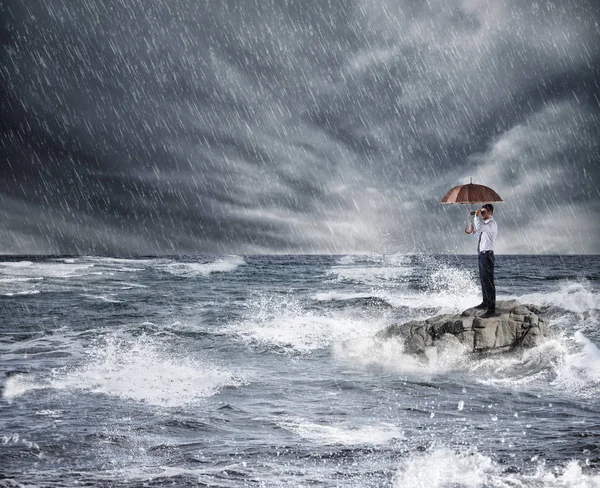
(143, 127)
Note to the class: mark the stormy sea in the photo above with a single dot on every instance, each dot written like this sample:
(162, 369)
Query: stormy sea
(264, 371)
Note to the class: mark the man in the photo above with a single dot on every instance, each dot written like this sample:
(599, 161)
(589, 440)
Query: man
(485, 230)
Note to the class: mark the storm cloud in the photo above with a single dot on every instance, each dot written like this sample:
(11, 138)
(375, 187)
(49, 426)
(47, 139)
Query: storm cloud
(133, 127)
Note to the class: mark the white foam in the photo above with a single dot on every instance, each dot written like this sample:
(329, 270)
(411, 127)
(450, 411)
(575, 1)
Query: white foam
(377, 434)
(567, 363)
(128, 285)
(28, 269)
(101, 298)
(345, 260)
(578, 297)
(15, 264)
(134, 369)
(369, 275)
(443, 467)
(19, 384)
(579, 373)
(329, 296)
(447, 288)
(109, 260)
(22, 292)
(281, 321)
(389, 354)
(452, 288)
(15, 438)
(187, 270)
(570, 364)
(20, 280)
(50, 413)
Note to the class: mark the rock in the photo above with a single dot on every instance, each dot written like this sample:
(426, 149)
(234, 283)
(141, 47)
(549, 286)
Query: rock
(520, 310)
(514, 325)
(485, 337)
(504, 306)
(518, 318)
(438, 319)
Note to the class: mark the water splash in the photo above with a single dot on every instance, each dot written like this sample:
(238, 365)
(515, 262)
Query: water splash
(134, 369)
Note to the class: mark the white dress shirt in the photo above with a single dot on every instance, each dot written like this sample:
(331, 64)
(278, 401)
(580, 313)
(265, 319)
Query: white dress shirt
(487, 229)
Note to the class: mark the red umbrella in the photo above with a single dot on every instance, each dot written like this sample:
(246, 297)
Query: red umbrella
(471, 194)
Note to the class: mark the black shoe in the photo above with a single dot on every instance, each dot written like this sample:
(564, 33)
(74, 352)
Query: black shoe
(481, 306)
(488, 314)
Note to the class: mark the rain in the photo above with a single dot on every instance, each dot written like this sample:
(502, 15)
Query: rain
(300, 243)
(136, 128)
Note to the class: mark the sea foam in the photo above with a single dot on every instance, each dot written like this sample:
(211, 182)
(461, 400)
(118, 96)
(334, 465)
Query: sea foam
(573, 296)
(443, 467)
(134, 369)
(377, 434)
(188, 270)
(282, 322)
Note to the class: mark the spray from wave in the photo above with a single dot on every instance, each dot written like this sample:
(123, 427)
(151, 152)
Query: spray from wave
(281, 321)
(442, 467)
(134, 369)
(446, 289)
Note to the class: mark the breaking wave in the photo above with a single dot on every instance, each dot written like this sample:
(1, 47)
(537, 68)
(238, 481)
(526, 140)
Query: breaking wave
(447, 289)
(443, 467)
(188, 270)
(134, 369)
(574, 296)
(377, 434)
(569, 364)
(282, 322)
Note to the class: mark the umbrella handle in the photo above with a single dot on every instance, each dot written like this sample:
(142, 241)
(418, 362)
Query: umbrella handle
(467, 231)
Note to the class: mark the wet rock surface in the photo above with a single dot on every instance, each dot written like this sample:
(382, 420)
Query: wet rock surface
(514, 325)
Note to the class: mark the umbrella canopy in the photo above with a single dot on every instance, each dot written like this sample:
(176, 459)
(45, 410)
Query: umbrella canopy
(471, 194)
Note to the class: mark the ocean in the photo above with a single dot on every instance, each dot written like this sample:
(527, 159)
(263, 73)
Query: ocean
(264, 371)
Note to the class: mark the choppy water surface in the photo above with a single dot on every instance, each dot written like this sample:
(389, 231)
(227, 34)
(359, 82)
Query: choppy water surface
(264, 371)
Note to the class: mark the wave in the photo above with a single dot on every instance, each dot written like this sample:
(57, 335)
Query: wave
(377, 434)
(569, 364)
(40, 270)
(15, 264)
(102, 298)
(369, 275)
(188, 270)
(446, 289)
(282, 322)
(580, 370)
(109, 260)
(20, 279)
(19, 293)
(577, 297)
(134, 369)
(345, 260)
(352, 299)
(443, 467)
(389, 355)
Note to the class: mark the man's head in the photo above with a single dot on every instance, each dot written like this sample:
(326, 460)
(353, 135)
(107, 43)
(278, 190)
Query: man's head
(487, 211)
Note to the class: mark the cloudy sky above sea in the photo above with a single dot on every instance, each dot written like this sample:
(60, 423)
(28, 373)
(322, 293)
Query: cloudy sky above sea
(164, 127)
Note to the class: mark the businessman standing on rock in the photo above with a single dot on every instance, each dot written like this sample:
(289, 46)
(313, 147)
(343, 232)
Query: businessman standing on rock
(486, 228)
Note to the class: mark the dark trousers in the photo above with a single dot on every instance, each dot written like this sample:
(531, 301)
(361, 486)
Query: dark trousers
(486, 275)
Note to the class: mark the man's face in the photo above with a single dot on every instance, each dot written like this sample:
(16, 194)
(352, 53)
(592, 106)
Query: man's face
(485, 214)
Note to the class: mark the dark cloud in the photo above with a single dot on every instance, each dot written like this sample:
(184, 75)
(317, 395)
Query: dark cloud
(187, 127)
